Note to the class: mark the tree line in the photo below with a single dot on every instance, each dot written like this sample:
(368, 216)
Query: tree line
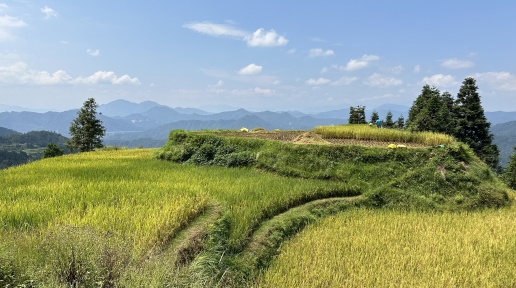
(462, 117)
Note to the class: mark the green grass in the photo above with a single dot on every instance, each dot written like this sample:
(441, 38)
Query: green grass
(138, 200)
(121, 217)
(380, 248)
(366, 132)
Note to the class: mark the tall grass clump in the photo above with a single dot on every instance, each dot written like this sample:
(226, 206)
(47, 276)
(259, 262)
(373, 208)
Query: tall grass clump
(366, 132)
(381, 248)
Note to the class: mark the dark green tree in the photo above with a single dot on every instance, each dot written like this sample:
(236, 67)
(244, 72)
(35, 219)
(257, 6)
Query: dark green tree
(424, 113)
(400, 123)
(472, 126)
(446, 116)
(374, 117)
(52, 150)
(388, 123)
(509, 176)
(357, 115)
(86, 130)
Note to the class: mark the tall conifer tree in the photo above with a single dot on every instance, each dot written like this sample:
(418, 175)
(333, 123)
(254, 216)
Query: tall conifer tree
(472, 125)
(86, 130)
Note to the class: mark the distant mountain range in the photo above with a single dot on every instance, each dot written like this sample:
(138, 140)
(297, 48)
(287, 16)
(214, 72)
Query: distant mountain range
(148, 123)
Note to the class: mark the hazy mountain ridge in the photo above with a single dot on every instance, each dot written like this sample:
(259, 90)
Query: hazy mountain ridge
(126, 122)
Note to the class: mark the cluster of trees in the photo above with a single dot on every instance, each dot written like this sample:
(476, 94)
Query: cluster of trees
(357, 116)
(462, 117)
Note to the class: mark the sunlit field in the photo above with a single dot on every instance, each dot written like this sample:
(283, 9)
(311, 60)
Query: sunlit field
(137, 201)
(366, 132)
(379, 248)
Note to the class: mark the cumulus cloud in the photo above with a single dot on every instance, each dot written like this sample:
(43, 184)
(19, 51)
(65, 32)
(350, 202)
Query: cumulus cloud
(261, 91)
(357, 64)
(504, 81)
(455, 63)
(382, 81)
(259, 38)
(317, 82)
(344, 81)
(8, 22)
(318, 52)
(21, 73)
(49, 12)
(440, 80)
(107, 77)
(93, 53)
(264, 38)
(251, 69)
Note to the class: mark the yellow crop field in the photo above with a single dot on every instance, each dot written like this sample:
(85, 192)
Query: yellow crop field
(372, 248)
(366, 132)
(137, 198)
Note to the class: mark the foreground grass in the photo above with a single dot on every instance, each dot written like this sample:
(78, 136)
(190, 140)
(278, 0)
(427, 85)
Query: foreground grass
(379, 248)
(125, 201)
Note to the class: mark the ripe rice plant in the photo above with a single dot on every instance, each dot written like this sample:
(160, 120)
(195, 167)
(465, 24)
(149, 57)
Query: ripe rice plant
(372, 248)
(366, 132)
(136, 199)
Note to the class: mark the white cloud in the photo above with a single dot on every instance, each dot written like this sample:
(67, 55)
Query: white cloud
(259, 90)
(264, 38)
(107, 77)
(440, 80)
(20, 73)
(317, 82)
(357, 64)
(324, 70)
(3, 7)
(416, 69)
(291, 51)
(382, 81)
(219, 84)
(259, 38)
(7, 22)
(217, 30)
(318, 52)
(344, 81)
(251, 69)
(504, 81)
(455, 63)
(93, 53)
(217, 88)
(49, 12)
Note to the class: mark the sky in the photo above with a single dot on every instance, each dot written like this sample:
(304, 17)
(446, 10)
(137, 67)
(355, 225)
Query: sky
(286, 55)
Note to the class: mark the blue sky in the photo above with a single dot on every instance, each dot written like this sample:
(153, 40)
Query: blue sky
(259, 55)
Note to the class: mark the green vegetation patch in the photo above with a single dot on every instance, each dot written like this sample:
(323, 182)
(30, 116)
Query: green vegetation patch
(444, 177)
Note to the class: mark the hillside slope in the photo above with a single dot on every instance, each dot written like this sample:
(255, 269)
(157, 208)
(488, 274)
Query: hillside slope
(218, 215)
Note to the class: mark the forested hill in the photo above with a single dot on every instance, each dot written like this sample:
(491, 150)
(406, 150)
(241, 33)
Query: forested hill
(6, 132)
(19, 148)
